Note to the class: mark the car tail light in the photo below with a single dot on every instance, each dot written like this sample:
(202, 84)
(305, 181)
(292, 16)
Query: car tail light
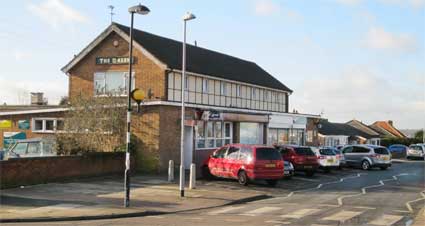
(375, 156)
(321, 157)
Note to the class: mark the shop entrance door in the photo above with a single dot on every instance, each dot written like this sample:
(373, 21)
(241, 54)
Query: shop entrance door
(188, 146)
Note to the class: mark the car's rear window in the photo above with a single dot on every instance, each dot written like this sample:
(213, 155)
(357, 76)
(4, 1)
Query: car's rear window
(304, 151)
(326, 151)
(381, 151)
(267, 154)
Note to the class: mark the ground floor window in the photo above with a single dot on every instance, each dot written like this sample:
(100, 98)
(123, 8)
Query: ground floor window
(251, 133)
(213, 134)
(286, 136)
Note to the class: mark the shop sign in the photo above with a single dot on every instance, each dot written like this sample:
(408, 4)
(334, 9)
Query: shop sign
(211, 115)
(113, 60)
(9, 138)
(5, 124)
(24, 124)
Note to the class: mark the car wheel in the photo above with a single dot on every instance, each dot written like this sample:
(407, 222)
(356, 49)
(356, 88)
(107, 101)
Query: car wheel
(327, 170)
(242, 178)
(309, 173)
(272, 182)
(206, 174)
(408, 157)
(383, 167)
(365, 165)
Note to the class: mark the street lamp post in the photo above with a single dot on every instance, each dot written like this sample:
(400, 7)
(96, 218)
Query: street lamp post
(188, 16)
(139, 9)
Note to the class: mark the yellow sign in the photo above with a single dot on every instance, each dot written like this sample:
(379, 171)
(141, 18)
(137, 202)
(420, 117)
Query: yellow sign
(5, 124)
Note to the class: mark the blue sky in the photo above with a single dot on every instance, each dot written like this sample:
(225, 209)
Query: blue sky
(347, 59)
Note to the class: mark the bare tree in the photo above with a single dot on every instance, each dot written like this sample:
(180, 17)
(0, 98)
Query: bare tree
(94, 124)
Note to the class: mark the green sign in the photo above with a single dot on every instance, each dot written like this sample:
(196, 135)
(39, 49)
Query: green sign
(24, 124)
(113, 60)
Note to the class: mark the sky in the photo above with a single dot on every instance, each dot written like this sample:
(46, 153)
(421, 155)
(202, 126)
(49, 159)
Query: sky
(344, 59)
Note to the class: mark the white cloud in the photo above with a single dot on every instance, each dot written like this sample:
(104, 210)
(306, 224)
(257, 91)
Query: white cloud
(378, 38)
(56, 13)
(361, 94)
(17, 91)
(349, 2)
(21, 55)
(266, 7)
(416, 4)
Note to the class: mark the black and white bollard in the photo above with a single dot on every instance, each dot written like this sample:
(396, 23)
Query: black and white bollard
(171, 171)
(192, 182)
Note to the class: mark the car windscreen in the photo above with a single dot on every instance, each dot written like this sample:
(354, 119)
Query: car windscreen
(304, 151)
(267, 154)
(326, 151)
(416, 147)
(381, 151)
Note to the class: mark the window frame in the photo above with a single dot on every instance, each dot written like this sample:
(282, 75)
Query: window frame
(44, 120)
(124, 82)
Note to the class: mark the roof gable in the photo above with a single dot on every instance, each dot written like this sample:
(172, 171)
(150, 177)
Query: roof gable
(363, 127)
(329, 128)
(167, 52)
(389, 128)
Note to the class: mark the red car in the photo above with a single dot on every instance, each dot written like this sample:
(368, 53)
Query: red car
(303, 158)
(245, 163)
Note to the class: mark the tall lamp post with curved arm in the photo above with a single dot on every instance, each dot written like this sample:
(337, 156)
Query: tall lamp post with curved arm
(143, 10)
(188, 16)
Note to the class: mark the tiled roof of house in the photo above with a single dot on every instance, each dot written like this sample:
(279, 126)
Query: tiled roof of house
(341, 129)
(363, 127)
(386, 125)
(204, 61)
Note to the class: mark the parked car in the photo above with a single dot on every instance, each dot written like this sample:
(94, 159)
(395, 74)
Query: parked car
(245, 163)
(36, 147)
(340, 156)
(302, 158)
(327, 158)
(416, 151)
(398, 150)
(367, 156)
(288, 169)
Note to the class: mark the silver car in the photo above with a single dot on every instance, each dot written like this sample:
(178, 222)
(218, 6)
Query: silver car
(416, 151)
(367, 156)
(36, 147)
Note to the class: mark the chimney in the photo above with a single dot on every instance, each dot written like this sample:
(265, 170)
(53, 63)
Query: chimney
(390, 122)
(37, 98)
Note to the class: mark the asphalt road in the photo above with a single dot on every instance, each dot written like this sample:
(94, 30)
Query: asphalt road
(346, 197)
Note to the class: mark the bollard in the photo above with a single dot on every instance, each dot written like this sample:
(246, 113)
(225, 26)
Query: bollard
(171, 171)
(192, 182)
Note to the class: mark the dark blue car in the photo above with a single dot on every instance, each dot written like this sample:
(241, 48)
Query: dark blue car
(398, 150)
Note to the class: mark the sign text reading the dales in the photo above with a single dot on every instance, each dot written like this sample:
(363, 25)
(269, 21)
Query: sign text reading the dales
(113, 60)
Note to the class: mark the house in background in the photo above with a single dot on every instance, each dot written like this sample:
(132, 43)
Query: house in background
(386, 129)
(333, 134)
(374, 136)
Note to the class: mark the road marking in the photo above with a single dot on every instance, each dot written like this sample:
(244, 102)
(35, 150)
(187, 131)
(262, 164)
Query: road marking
(304, 179)
(225, 210)
(342, 216)
(260, 211)
(364, 207)
(408, 204)
(278, 222)
(401, 211)
(300, 213)
(54, 208)
(386, 220)
(194, 218)
(156, 217)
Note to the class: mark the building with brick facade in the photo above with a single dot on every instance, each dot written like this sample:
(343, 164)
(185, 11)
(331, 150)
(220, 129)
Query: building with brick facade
(228, 100)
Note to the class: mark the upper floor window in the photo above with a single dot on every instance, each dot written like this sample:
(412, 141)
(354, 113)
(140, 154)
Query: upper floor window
(254, 93)
(47, 125)
(238, 90)
(223, 90)
(111, 83)
(205, 85)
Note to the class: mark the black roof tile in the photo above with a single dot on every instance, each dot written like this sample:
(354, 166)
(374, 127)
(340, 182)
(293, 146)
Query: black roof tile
(204, 61)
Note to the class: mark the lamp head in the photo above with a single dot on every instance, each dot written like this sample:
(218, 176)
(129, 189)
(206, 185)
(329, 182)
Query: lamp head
(188, 16)
(139, 9)
(137, 95)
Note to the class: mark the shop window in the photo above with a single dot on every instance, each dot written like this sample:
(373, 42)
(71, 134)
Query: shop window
(272, 138)
(283, 135)
(111, 83)
(251, 133)
(213, 134)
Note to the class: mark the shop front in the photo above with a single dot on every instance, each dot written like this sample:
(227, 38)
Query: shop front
(287, 129)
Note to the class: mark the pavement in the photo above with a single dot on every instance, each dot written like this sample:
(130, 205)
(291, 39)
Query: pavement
(394, 197)
(102, 198)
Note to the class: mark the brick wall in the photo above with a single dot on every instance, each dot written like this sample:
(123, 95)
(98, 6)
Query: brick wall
(148, 74)
(27, 171)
